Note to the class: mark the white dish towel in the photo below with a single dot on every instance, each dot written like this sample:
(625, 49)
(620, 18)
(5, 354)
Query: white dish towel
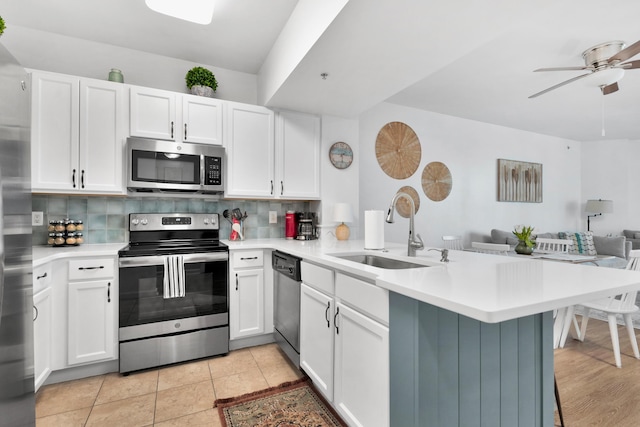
(174, 281)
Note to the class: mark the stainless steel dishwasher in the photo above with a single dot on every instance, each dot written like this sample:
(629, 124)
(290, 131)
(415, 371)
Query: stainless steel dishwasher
(286, 303)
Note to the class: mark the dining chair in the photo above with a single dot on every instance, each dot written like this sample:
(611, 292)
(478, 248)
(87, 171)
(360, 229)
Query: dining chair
(547, 245)
(453, 243)
(491, 248)
(623, 304)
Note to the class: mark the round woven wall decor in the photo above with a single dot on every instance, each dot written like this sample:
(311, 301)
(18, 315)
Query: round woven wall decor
(436, 181)
(398, 150)
(403, 207)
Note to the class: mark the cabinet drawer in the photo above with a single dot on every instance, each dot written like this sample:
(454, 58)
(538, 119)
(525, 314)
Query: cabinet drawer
(318, 277)
(98, 268)
(245, 259)
(41, 277)
(368, 298)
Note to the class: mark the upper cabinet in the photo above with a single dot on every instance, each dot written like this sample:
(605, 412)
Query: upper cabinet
(77, 134)
(271, 155)
(172, 116)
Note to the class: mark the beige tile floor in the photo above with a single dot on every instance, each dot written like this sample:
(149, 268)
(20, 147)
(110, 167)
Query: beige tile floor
(178, 395)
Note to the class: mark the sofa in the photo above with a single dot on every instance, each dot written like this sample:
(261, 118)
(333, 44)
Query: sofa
(604, 247)
(632, 236)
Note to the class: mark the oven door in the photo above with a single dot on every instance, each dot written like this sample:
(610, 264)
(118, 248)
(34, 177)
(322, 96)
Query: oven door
(144, 310)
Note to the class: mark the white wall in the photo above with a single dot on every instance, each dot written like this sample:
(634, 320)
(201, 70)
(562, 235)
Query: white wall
(610, 171)
(52, 52)
(470, 150)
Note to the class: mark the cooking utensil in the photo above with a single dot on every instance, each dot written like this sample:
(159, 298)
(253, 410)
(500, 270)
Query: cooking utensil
(237, 214)
(238, 229)
(227, 215)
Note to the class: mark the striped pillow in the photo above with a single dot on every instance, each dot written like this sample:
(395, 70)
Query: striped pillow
(582, 242)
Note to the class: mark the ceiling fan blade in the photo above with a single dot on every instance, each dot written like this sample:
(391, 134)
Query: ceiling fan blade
(629, 65)
(626, 53)
(562, 69)
(606, 90)
(559, 85)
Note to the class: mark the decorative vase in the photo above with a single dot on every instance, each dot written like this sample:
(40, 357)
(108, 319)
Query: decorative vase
(523, 249)
(115, 75)
(202, 91)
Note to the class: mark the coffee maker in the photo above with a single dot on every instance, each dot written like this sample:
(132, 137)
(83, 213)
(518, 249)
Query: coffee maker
(307, 229)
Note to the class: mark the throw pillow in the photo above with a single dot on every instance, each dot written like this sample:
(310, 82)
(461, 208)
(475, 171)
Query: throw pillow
(614, 246)
(636, 236)
(582, 242)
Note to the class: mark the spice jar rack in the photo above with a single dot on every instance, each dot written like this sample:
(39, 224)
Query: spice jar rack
(65, 232)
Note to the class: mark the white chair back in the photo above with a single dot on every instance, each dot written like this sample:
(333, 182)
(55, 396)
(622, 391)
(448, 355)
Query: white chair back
(491, 248)
(546, 245)
(453, 243)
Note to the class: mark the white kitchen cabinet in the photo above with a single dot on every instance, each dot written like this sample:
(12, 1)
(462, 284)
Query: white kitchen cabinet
(246, 294)
(92, 310)
(161, 114)
(297, 155)
(42, 333)
(249, 141)
(316, 338)
(77, 134)
(344, 346)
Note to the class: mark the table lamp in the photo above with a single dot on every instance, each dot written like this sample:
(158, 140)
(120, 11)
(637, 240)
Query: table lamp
(342, 213)
(597, 207)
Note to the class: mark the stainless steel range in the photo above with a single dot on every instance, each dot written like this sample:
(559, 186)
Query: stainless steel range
(173, 290)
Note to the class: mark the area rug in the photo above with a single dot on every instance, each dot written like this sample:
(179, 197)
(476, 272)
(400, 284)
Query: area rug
(292, 404)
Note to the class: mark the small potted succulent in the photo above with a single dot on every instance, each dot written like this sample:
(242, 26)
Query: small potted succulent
(2, 26)
(201, 81)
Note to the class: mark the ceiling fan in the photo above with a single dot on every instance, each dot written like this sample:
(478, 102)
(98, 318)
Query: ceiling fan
(604, 63)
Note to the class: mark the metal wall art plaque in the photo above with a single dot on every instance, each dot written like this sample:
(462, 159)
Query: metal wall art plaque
(519, 181)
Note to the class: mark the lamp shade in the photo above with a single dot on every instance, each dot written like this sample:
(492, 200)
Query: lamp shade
(599, 206)
(342, 212)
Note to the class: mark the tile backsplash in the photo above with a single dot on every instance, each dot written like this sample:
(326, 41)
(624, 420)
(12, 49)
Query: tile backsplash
(106, 218)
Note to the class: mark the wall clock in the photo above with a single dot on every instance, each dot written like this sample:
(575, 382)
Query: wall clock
(341, 155)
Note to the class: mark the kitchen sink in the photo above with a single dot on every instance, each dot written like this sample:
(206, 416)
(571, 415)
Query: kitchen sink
(380, 262)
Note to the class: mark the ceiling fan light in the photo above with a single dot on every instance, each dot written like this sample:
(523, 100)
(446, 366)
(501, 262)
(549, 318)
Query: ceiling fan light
(197, 11)
(604, 77)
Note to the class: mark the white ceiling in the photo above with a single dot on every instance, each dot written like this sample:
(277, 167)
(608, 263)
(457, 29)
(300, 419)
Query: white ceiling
(463, 58)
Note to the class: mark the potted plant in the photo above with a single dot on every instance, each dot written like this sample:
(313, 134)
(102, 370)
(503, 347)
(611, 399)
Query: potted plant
(201, 81)
(525, 239)
(2, 26)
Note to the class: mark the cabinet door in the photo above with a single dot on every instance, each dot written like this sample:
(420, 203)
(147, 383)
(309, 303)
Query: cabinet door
(202, 120)
(246, 309)
(91, 326)
(101, 136)
(152, 113)
(42, 304)
(249, 140)
(54, 132)
(298, 156)
(361, 389)
(316, 338)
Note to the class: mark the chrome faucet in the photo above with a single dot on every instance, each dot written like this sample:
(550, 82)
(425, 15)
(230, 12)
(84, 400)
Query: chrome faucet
(414, 243)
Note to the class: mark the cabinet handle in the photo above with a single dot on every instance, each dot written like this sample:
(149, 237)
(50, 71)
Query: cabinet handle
(36, 315)
(247, 258)
(41, 277)
(73, 178)
(335, 321)
(326, 314)
(281, 188)
(185, 131)
(272, 187)
(109, 292)
(90, 268)
(236, 281)
(172, 130)
(82, 179)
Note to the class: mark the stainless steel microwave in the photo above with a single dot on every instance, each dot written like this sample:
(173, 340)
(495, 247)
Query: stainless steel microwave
(178, 167)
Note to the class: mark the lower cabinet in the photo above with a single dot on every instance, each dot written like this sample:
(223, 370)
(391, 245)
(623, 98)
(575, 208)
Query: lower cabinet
(344, 347)
(42, 304)
(246, 294)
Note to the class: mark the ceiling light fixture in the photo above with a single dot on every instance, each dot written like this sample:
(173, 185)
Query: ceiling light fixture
(197, 11)
(604, 77)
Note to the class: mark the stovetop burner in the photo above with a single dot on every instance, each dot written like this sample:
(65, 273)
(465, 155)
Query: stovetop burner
(172, 234)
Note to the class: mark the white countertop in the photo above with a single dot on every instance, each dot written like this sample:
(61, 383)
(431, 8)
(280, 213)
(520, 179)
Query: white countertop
(489, 288)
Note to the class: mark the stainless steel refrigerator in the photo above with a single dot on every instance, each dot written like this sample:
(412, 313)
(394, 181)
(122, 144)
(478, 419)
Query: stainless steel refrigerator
(17, 399)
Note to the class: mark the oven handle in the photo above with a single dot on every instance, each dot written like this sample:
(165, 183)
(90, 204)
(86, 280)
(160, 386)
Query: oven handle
(145, 261)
